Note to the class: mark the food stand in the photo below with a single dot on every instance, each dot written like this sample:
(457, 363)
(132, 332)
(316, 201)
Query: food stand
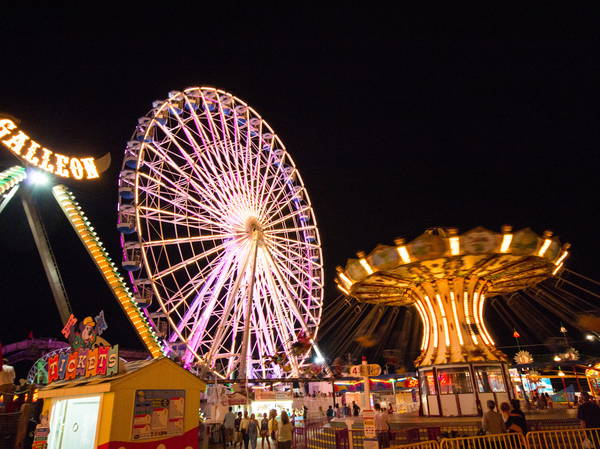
(150, 404)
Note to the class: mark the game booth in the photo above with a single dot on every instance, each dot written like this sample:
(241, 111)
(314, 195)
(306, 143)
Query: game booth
(139, 405)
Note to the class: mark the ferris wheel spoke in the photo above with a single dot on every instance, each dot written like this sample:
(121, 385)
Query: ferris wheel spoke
(289, 297)
(267, 195)
(287, 261)
(215, 267)
(205, 193)
(189, 212)
(229, 303)
(163, 155)
(291, 250)
(158, 215)
(189, 261)
(272, 237)
(289, 216)
(190, 239)
(270, 232)
(286, 328)
(199, 327)
(189, 162)
(214, 143)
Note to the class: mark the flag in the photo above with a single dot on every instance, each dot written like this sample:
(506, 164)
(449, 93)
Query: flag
(30, 335)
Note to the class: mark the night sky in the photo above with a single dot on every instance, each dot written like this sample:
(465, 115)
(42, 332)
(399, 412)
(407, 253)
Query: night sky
(391, 134)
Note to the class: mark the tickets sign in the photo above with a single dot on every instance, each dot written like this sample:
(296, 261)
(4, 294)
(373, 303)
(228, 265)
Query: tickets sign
(100, 361)
(33, 153)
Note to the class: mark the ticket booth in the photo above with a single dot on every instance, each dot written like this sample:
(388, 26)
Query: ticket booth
(147, 405)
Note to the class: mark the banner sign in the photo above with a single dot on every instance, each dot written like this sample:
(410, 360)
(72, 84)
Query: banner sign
(100, 361)
(158, 413)
(41, 157)
(266, 395)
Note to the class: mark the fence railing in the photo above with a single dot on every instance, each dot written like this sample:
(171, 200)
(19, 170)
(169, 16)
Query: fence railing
(564, 439)
(329, 438)
(503, 440)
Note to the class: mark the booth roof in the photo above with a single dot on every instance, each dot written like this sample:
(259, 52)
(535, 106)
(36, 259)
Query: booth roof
(100, 384)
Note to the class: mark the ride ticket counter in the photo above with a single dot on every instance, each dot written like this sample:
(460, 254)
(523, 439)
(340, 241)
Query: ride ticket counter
(147, 405)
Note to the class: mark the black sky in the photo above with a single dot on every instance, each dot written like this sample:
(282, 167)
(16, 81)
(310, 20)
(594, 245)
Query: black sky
(392, 134)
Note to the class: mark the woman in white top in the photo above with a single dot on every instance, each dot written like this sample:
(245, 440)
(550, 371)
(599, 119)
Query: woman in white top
(284, 432)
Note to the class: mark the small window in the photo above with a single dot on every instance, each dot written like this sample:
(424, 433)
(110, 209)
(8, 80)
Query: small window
(455, 381)
(428, 382)
(490, 379)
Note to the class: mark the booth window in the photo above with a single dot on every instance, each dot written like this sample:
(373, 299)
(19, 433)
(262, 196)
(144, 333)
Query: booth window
(490, 379)
(455, 381)
(428, 382)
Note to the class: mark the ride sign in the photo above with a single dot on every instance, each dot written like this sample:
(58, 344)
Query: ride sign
(372, 369)
(35, 154)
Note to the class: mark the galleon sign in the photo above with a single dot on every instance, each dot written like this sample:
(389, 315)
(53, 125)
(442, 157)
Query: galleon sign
(41, 157)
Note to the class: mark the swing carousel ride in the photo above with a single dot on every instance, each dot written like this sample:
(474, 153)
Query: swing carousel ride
(448, 278)
(218, 234)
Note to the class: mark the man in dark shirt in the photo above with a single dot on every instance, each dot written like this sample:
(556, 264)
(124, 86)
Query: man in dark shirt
(588, 412)
(516, 421)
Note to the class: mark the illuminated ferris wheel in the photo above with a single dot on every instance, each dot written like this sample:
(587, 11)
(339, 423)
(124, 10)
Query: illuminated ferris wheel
(220, 237)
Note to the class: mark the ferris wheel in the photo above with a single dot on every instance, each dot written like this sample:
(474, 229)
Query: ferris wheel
(220, 238)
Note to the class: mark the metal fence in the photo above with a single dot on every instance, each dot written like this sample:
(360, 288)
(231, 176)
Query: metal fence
(504, 441)
(332, 438)
(564, 439)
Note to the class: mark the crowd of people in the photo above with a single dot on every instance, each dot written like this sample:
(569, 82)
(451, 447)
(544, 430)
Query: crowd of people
(245, 429)
(510, 417)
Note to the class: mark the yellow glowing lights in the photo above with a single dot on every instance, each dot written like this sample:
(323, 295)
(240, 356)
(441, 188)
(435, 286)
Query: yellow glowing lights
(366, 265)
(557, 269)
(506, 239)
(444, 320)
(454, 246)
(425, 321)
(456, 321)
(403, 252)
(468, 319)
(544, 247)
(434, 319)
(35, 154)
(107, 269)
(343, 289)
(562, 257)
(345, 279)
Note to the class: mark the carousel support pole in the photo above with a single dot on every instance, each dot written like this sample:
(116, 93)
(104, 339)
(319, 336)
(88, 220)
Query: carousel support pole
(367, 386)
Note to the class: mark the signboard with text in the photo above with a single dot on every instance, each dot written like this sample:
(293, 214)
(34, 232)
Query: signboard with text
(371, 369)
(99, 361)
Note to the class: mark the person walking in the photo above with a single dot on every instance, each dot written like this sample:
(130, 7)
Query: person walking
(264, 431)
(330, 413)
(252, 431)
(244, 429)
(237, 438)
(516, 419)
(284, 433)
(382, 426)
(355, 409)
(273, 426)
(228, 427)
(505, 411)
(588, 412)
(492, 421)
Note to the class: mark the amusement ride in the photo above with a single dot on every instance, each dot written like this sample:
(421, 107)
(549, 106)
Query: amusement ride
(447, 277)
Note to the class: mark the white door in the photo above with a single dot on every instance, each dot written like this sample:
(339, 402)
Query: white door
(73, 423)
